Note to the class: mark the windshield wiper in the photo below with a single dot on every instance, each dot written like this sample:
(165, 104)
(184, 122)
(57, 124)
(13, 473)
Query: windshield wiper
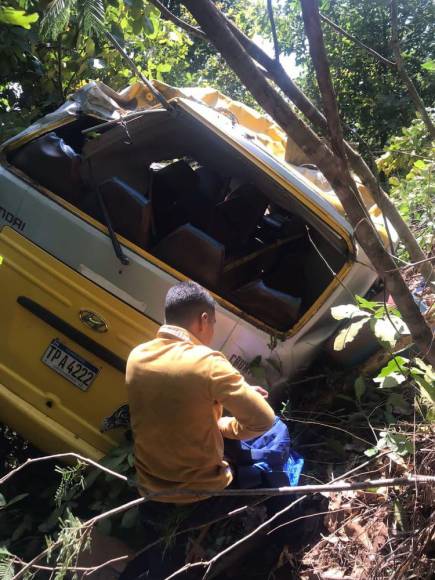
(115, 243)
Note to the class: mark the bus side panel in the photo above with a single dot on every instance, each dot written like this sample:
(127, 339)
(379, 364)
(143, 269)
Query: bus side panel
(42, 301)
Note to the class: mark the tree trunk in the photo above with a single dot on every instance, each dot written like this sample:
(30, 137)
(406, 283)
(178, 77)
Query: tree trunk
(214, 25)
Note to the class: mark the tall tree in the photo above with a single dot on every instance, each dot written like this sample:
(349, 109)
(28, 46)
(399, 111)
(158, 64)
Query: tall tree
(372, 98)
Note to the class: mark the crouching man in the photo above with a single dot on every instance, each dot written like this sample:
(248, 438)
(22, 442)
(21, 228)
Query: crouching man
(178, 387)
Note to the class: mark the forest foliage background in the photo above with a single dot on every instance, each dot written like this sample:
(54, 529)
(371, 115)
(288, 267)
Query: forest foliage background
(43, 60)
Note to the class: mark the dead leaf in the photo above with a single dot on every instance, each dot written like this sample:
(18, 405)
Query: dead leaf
(357, 532)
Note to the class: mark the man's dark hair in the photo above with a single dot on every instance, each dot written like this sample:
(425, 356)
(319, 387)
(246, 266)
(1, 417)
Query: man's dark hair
(185, 301)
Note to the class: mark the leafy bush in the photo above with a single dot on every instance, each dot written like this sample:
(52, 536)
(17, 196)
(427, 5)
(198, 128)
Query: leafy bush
(411, 375)
(409, 164)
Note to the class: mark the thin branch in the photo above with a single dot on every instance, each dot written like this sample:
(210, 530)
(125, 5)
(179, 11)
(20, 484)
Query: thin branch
(88, 571)
(159, 97)
(273, 27)
(343, 32)
(59, 68)
(417, 100)
(413, 264)
(329, 426)
(298, 489)
(168, 15)
(61, 456)
(304, 518)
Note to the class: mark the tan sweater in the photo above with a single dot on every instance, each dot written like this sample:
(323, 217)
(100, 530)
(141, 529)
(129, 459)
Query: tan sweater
(177, 389)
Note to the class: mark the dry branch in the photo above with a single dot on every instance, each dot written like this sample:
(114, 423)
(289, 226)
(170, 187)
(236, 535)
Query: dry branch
(357, 41)
(61, 456)
(299, 489)
(168, 15)
(273, 28)
(268, 491)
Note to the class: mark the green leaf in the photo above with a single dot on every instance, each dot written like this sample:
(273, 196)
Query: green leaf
(148, 23)
(164, 67)
(366, 304)
(420, 164)
(429, 373)
(130, 459)
(90, 47)
(427, 390)
(398, 443)
(390, 329)
(391, 381)
(429, 65)
(346, 311)
(398, 363)
(371, 452)
(3, 501)
(14, 17)
(360, 388)
(348, 334)
(393, 374)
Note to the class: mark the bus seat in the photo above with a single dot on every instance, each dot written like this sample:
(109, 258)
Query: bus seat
(236, 218)
(193, 253)
(130, 212)
(210, 184)
(173, 193)
(275, 308)
(52, 163)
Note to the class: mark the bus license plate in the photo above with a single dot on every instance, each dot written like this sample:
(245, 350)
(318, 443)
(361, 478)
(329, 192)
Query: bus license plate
(69, 365)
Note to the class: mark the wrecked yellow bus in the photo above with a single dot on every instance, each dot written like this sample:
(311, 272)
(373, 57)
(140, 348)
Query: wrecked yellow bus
(113, 198)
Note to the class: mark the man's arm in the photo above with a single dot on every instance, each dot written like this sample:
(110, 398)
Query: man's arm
(252, 414)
